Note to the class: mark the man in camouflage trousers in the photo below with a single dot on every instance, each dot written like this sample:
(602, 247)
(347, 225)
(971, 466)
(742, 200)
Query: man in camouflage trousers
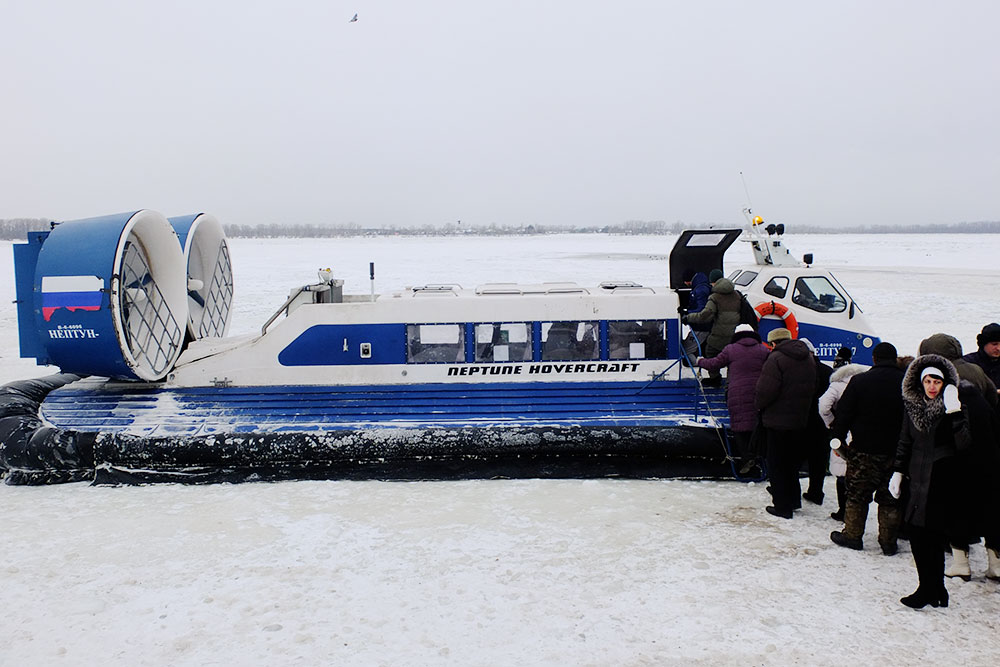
(871, 409)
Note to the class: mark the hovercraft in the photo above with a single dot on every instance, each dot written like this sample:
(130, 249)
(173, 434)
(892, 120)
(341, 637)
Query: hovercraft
(429, 382)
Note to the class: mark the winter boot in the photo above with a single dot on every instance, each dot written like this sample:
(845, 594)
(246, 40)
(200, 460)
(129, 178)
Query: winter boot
(855, 516)
(888, 528)
(993, 569)
(959, 564)
(841, 539)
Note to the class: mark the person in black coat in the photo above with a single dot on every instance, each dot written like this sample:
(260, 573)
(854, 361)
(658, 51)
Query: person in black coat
(981, 517)
(987, 356)
(817, 436)
(784, 398)
(871, 409)
(932, 455)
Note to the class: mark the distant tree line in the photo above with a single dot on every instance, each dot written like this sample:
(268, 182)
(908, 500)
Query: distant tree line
(957, 228)
(450, 229)
(17, 228)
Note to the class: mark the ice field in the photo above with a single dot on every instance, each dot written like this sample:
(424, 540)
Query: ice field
(526, 572)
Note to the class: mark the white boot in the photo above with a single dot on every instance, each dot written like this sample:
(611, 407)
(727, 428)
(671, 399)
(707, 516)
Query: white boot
(959, 565)
(993, 570)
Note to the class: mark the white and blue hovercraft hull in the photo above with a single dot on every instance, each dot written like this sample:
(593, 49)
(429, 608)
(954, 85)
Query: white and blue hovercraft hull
(560, 429)
(437, 381)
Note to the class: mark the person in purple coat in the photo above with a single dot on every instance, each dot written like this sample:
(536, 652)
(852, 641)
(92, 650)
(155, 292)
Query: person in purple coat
(744, 357)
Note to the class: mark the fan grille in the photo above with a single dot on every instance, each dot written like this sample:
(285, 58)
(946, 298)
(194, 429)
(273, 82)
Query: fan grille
(220, 297)
(151, 331)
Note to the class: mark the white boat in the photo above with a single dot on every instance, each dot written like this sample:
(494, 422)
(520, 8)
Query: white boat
(507, 379)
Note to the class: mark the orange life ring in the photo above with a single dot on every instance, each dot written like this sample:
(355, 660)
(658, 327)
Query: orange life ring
(785, 313)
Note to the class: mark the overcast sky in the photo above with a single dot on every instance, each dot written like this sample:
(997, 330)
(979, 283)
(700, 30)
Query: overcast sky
(508, 112)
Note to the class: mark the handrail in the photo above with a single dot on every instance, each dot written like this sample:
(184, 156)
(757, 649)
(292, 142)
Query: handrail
(284, 307)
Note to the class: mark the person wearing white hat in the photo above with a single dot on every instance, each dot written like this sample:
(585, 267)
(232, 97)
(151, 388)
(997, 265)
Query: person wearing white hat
(931, 452)
(744, 357)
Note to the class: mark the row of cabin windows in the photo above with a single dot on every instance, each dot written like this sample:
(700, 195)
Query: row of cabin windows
(556, 341)
(813, 292)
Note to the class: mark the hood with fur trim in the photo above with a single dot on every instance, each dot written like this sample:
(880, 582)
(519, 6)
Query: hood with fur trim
(845, 373)
(923, 412)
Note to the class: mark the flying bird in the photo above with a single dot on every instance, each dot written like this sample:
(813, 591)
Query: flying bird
(354, 19)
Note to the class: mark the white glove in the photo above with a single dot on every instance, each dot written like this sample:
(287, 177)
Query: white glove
(835, 443)
(896, 484)
(951, 402)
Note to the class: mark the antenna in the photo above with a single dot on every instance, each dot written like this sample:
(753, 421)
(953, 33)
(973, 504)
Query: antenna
(747, 191)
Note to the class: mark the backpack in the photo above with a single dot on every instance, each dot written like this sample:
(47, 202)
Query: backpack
(747, 314)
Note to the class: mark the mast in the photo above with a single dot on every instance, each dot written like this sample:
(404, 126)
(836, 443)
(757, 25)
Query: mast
(766, 242)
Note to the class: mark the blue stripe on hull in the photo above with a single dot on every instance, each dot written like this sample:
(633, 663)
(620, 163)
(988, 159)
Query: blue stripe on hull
(117, 408)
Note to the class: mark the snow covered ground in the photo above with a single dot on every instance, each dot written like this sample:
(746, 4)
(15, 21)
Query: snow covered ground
(594, 572)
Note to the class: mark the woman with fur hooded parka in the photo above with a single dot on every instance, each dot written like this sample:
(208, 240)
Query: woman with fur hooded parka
(932, 453)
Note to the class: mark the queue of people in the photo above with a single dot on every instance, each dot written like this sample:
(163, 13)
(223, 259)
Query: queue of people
(918, 436)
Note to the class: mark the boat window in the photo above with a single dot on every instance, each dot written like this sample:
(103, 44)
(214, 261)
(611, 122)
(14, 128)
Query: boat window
(569, 340)
(503, 341)
(777, 287)
(744, 278)
(706, 239)
(818, 293)
(435, 343)
(637, 339)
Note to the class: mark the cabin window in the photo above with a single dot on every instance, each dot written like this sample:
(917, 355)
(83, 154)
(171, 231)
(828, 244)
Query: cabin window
(637, 339)
(706, 240)
(818, 293)
(435, 343)
(569, 340)
(744, 278)
(503, 341)
(777, 287)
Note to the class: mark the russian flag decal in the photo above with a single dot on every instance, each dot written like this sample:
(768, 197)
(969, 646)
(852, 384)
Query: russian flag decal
(70, 292)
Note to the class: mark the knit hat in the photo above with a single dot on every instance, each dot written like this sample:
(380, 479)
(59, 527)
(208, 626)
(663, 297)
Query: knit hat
(743, 327)
(989, 334)
(846, 354)
(884, 352)
(780, 333)
(933, 371)
(715, 275)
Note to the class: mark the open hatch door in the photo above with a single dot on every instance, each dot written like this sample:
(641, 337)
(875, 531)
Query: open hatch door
(699, 250)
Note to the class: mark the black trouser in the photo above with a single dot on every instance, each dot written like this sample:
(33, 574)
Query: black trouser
(709, 351)
(817, 458)
(841, 494)
(784, 452)
(741, 445)
(992, 541)
(928, 547)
